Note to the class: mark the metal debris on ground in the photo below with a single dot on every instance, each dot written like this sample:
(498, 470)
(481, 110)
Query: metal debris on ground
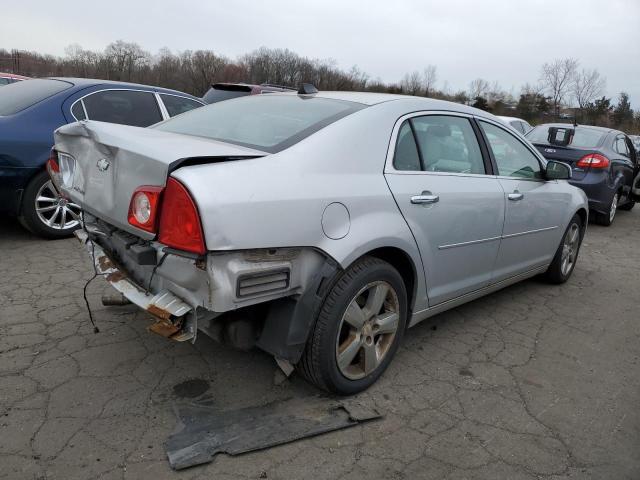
(204, 431)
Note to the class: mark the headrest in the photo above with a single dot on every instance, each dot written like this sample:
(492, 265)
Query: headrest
(439, 130)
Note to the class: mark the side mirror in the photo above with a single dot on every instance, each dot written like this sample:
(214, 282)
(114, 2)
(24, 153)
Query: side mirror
(558, 171)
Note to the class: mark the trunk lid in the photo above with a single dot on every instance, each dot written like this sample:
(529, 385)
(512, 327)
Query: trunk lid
(568, 155)
(111, 161)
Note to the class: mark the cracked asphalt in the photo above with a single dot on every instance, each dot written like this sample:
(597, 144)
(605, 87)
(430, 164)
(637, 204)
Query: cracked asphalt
(533, 382)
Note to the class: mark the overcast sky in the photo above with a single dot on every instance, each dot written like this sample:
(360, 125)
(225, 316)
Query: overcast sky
(505, 41)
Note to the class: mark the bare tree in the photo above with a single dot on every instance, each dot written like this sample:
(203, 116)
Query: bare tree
(557, 77)
(411, 83)
(429, 79)
(587, 86)
(124, 59)
(478, 88)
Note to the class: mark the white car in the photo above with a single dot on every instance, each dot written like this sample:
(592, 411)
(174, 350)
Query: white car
(519, 124)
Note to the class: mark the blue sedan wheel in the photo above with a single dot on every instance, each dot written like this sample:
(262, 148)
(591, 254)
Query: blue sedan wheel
(45, 212)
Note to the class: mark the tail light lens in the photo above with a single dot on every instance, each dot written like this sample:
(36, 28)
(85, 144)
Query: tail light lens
(54, 169)
(144, 206)
(593, 160)
(179, 220)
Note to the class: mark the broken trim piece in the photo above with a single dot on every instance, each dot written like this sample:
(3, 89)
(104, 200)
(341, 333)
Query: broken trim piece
(165, 306)
(205, 431)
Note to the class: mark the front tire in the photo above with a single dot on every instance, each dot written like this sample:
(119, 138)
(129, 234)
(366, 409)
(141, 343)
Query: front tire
(44, 212)
(627, 206)
(358, 330)
(566, 256)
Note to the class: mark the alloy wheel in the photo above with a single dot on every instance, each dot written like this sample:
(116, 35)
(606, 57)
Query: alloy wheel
(570, 249)
(55, 211)
(367, 330)
(614, 207)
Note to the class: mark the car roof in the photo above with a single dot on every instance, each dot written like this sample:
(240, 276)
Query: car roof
(89, 82)
(417, 103)
(510, 119)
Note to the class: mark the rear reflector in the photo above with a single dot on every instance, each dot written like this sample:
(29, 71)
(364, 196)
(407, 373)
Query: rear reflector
(179, 220)
(144, 206)
(593, 160)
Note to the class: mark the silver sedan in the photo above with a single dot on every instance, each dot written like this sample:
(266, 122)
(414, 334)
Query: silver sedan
(317, 226)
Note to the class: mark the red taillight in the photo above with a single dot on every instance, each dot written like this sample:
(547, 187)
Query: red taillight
(593, 160)
(179, 220)
(144, 206)
(54, 169)
(52, 162)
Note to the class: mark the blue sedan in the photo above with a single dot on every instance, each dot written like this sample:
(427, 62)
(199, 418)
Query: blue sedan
(31, 110)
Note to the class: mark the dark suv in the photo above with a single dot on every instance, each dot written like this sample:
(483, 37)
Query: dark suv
(226, 91)
(604, 164)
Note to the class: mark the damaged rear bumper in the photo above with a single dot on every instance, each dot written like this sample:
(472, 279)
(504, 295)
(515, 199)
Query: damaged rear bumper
(167, 308)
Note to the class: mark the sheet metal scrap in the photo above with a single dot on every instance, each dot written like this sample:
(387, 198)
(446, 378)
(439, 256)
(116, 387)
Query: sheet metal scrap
(204, 431)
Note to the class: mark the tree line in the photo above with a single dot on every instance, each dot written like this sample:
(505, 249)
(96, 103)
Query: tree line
(563, 90)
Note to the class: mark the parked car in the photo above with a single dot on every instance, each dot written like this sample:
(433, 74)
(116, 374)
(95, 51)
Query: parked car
(227, 91)
(519, 124)
(604, 164)
(29, 113)
(7, 78)
(318, 226)
(636, 143)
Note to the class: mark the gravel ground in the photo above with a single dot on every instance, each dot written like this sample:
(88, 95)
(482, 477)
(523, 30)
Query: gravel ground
(535, 381)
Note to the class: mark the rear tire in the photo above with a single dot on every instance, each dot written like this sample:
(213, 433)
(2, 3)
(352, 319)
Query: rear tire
(44, 213)
(566, 256)
(358, 330)
(606, 219)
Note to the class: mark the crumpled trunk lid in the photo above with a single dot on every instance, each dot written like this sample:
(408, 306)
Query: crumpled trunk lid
(111, 161)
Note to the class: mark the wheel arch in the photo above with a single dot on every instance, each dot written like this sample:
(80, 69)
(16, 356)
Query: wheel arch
(402, 262)
(584, 217)
(28, 181)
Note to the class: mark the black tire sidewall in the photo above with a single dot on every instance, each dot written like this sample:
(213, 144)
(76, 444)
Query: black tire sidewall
(333, 310)
(29, 217)
(555, 269)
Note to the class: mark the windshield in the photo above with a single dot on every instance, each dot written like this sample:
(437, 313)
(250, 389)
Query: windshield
(15, 97)
(264, 122)
(582, 138)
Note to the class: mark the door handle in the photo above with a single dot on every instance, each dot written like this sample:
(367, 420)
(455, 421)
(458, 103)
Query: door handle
(515, 196)
(422, 199)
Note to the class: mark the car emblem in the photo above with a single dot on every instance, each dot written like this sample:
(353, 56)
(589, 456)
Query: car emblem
(549, 150)
(103, 164)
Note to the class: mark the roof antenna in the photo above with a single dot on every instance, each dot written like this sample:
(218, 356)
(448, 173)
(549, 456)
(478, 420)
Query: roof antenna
(307, 89)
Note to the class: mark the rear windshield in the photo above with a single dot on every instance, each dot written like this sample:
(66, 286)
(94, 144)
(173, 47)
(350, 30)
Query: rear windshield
(264, 122)
(214, 95)
(582, 138)
(15, 97)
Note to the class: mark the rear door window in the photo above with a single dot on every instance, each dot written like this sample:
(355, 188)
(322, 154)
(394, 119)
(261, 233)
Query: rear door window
(17, 96)
(126, 107)
(78, 111)
(406, 155)
(620, 146)
(512, 158)
(448, 144)
(176, 105)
